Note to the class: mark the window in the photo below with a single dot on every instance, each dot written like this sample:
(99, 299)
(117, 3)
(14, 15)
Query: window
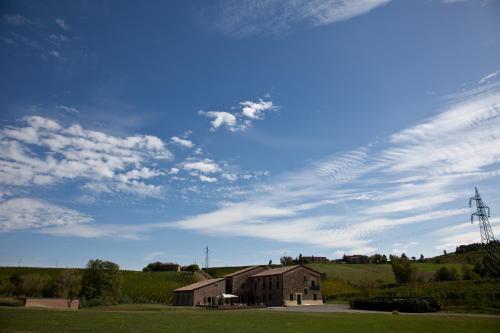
(277, 283)
(313, 283)
(270, 297)
(305, 291)
(242, 286)
(263, 284)
(315, 297)
(270, 283)
(291, 297)
(305, 278)
(255, 285)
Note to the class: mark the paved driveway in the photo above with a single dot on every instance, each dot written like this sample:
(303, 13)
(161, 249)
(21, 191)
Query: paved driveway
(337, 308)
(344, 308)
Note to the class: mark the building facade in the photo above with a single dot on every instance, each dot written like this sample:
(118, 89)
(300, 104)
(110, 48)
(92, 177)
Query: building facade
(287, 286)
(238, 283)
(258, 285)
(200, 293)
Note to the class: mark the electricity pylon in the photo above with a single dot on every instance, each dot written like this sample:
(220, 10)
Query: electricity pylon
(491, 246)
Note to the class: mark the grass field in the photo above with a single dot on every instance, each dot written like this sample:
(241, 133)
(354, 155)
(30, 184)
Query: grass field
(241, 321)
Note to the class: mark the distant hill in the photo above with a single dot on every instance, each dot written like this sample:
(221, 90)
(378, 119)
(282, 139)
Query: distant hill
(137, 287)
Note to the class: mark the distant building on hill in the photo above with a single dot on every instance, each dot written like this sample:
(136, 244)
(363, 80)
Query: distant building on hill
(314, 260)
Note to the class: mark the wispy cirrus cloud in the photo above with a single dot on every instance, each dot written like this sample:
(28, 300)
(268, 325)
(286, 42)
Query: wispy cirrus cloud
(36, 215)
(275, 17)
(417, 179)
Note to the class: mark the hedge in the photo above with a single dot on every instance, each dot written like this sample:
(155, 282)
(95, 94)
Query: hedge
(407, 304)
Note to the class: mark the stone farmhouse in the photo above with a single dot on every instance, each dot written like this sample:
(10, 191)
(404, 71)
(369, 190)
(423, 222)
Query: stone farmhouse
(257, 285)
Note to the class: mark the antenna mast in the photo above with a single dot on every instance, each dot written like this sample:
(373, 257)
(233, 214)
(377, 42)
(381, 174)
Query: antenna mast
(492, 257)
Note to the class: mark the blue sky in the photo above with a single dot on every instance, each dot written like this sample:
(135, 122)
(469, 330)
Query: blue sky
(142, 133)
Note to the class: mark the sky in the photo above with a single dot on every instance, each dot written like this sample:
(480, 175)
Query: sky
(146, 132)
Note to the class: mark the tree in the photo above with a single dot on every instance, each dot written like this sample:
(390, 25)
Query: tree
(33, 285)
(270, 263)
(300, 261)
(191, 268)
(403, 256)
(68, 285)
(404, 272)
(286, 260)
(468, 274)
(413, 258)
(378, 259)
(446, 274)
(444, 252)
(422, 258)
(101, 282)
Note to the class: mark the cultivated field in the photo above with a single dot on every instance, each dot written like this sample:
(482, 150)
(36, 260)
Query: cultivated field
(158, 319)
(137, 287)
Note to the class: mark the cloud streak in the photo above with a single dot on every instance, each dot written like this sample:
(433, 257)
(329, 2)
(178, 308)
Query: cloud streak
(420, 177)
(274, 17)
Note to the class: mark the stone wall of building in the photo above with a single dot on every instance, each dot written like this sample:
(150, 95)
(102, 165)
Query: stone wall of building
(241, 285)
(304, 284)
(209, 293)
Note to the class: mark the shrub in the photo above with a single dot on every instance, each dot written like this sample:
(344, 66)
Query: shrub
(404, 272)
(191, 268)
(446, 274)
(468, 274)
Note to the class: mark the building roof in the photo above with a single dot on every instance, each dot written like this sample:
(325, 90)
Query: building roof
(282, 270)
(244, 270)
(199, 284)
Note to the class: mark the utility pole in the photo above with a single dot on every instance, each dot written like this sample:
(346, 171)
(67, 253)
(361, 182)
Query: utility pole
(206, 256)
(490, 244)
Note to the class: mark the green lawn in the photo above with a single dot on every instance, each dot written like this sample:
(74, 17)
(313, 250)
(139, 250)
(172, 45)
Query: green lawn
(188, 320)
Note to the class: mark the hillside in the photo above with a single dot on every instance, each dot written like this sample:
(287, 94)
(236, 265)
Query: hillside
(137, 287)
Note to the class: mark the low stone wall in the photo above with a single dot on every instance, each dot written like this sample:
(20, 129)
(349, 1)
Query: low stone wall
(55, 303)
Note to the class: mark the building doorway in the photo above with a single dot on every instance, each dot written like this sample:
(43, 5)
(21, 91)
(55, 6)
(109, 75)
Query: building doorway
(299, 299)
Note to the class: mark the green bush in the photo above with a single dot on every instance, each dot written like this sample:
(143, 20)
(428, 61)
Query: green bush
(446, 274)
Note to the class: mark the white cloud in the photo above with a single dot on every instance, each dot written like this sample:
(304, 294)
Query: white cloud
(250, 111)
(221, 118)
(67, 109)
(269, 17)
(43, 152)
(255, 110)
(62, 24)
(489, 77)
(182, 142)
(204, 166)
(26, 213)
(207, 179)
